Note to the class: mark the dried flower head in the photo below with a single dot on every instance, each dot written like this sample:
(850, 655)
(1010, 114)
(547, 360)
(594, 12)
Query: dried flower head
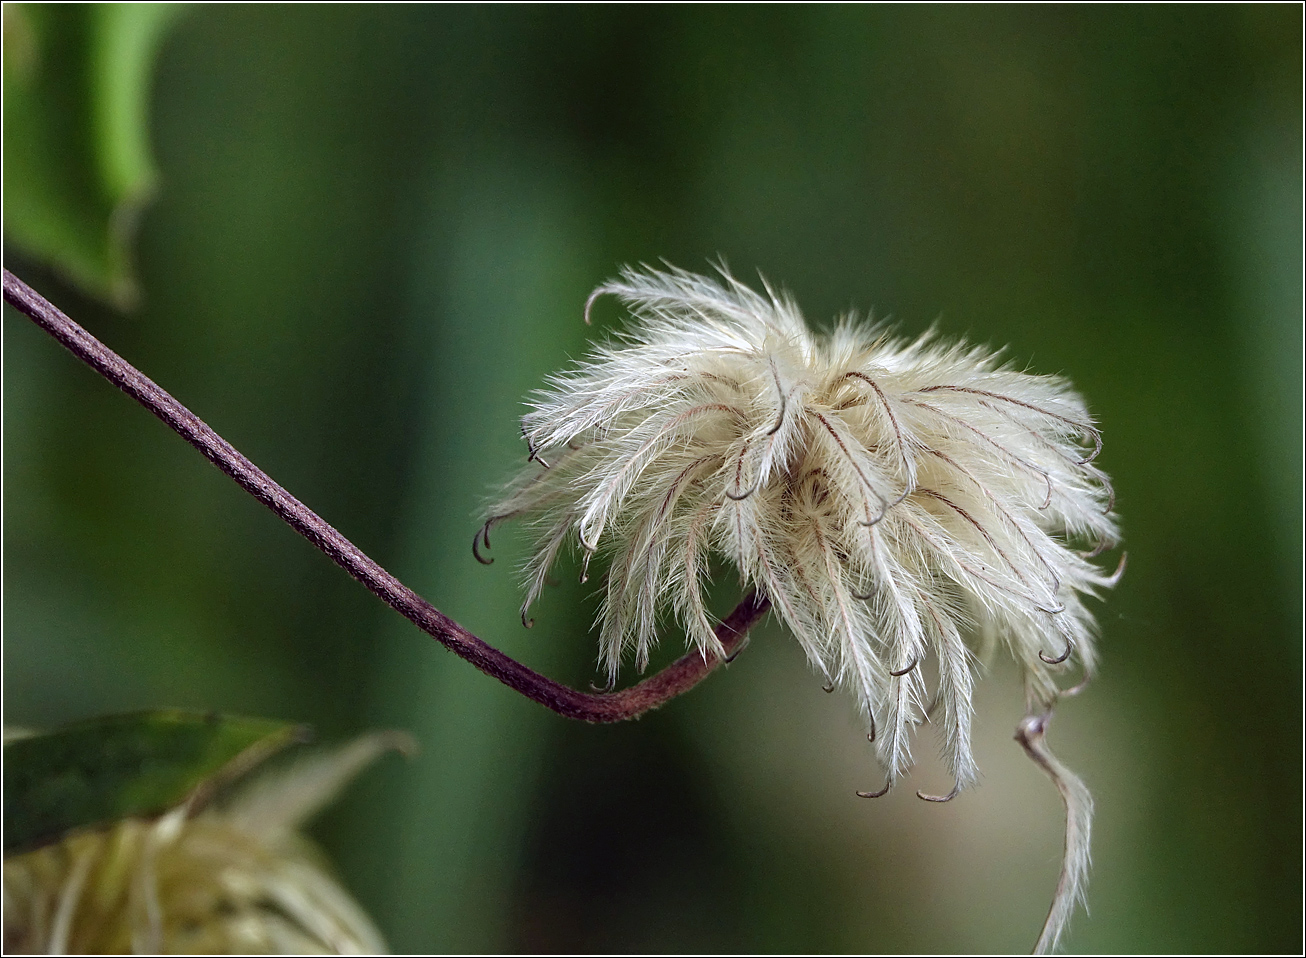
(889, 498)
(233, 879)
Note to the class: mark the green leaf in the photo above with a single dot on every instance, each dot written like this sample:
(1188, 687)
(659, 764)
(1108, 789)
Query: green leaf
(77, 164)
(126, 765)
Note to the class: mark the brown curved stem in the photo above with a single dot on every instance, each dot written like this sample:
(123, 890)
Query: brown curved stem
(680, 676)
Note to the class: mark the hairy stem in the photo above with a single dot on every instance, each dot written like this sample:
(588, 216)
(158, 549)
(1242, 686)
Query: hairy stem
(1031, 734)
(680, 676)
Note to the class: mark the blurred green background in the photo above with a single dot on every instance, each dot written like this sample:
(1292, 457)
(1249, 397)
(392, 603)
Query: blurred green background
(372, 233)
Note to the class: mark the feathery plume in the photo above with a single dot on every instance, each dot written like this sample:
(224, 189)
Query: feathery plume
(889, 497)
(235, 878)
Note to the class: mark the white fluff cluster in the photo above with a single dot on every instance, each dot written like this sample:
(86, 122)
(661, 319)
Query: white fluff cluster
(889, 498)
(237, 878)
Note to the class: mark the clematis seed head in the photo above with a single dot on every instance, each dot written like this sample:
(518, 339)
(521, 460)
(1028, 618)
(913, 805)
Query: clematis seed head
(236, 878)
(890, 498)
(895, 500)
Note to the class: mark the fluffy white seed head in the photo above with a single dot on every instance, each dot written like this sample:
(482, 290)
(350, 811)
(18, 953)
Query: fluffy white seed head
(234, 878)
(890, 498)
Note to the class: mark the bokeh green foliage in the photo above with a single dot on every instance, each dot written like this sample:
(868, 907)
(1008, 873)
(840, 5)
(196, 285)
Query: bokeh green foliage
(77, 164)
(373, 234)
(123, 766)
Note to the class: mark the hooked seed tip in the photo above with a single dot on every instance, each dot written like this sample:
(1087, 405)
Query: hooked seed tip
(907, 668)
(483, 533)
(880, 794)
(940, 798)
(1070, 647)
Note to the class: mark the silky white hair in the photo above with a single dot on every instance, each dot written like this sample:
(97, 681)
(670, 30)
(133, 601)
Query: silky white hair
(889, 497)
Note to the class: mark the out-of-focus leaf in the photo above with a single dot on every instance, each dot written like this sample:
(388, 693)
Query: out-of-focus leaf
(125, 765)
(77, 166)
(287, 797)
